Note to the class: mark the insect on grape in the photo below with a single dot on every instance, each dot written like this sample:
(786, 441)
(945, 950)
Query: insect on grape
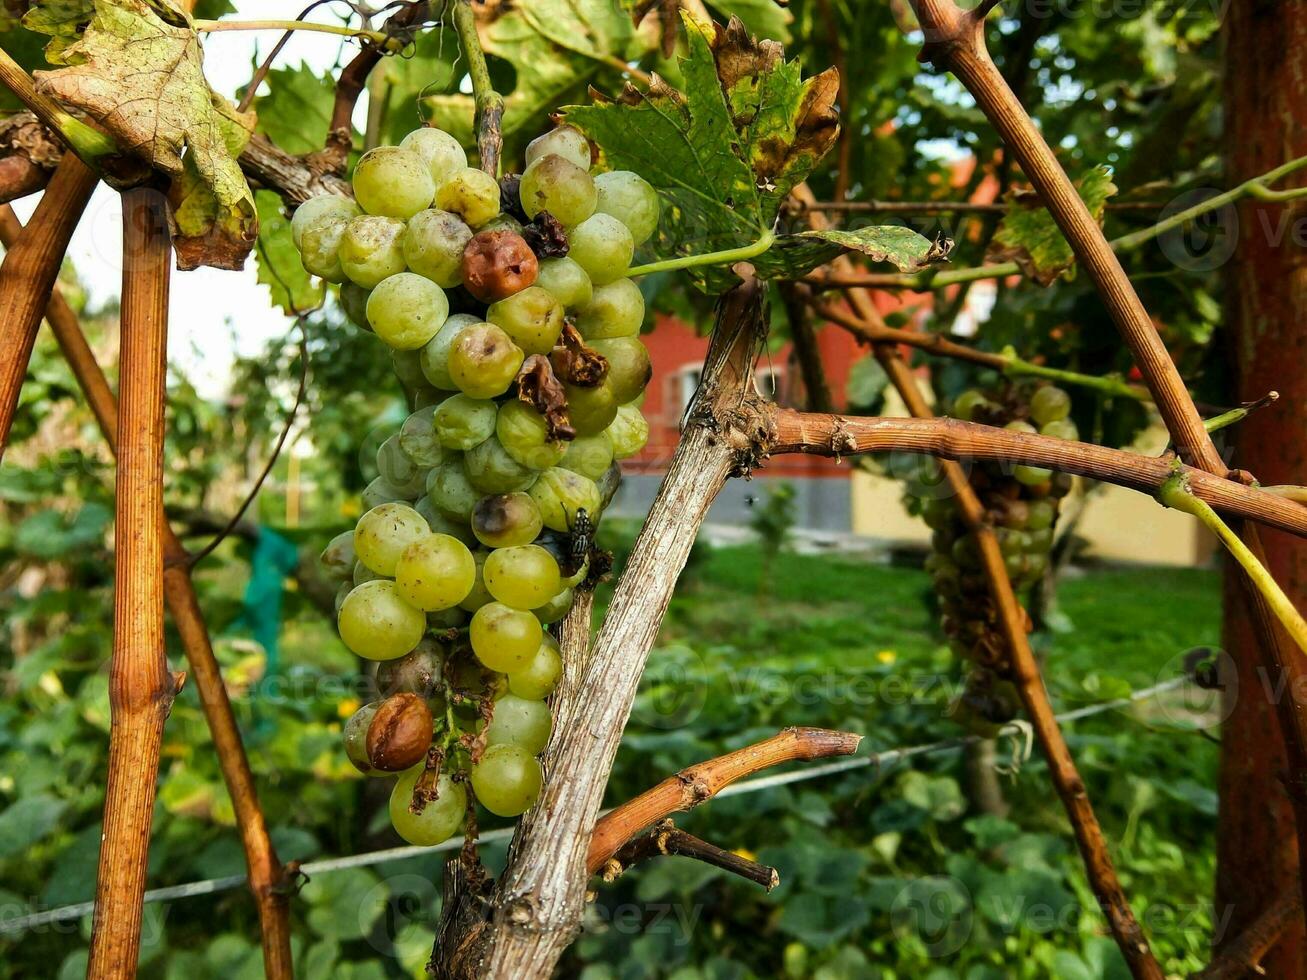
(580, 539)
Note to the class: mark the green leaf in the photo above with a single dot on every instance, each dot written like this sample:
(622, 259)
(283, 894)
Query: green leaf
(278, 260)
(141, 76)
(296, 111)
(940, 796)
(337, 906)
(725, 153)
(554, 49)
(896, 244)
(27, 821)
(50, 534)
(1029, 237)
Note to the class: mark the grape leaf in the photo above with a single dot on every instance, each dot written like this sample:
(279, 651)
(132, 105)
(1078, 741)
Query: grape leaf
(1029, 237)
(896, 244)
(554, 48)
(296, 111)
(278, 260)
(725, 153)
(137, 69)
(204, 231)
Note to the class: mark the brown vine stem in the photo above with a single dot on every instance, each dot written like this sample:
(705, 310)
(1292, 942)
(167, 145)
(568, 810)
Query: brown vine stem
(1070, 788)
(955, 40)
(141, 690)
(1242, 957)
(266, 874)
(536, 907)
(668, 840)
(796, 297)
(945, 438)
(28, 273)
(700, 783)
(19, 176)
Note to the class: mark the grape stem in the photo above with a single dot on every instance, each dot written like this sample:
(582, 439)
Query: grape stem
(1234, 415)
(1176, 493)
(377, 37)
(724, 257)
(489, 103)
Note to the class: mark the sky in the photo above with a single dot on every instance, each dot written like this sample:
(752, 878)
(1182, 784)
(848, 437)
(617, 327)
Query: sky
(213, 314)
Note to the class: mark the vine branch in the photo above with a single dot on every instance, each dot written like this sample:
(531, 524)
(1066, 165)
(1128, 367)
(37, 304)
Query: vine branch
(700, 783)
(667, 840)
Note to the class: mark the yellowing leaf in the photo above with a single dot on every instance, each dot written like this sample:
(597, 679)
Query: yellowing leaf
(140, 75)
(1029, 237)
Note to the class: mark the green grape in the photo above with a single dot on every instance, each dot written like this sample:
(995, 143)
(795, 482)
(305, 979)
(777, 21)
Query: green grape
(407, 365)
(407, 310)
(372, 249)
(503, 222)
(363, 574)
(435, 572)
(433, 359)
(471, 194)
(503, 520)
(1019, 425)
(463, 422)
(616, 310)
(591, 410)
(1031, 476)
(524, 434)
(523, 577)
(342, 208)
(417, 437)
(1015, 514)
(483, 361)
(449, 491)
(355, 735)
(320, 245)
(442, 154)
(491, 470)
(426, 396)
(629, 432)
(602, 246)
(531, 316)
(337, 558)
(537, 679)
(377, 624)
(392, 181)
(447, 619)
(1011, 542)
(566, 281)
(398, 470)
(354, 301)
(554, 184)
(557, 607)
(1039, 542)
(507, 780)
(503, 638)
(560, 493)
(628, 197)
(629, 368)
(440, 524)
(433, 246)
(1049, 403)
(1036, 566)
(521, 722)
(1040, 514)
(383, 532)
(439, 819)
(589, 455)
(419, 671)
(965, 405)
(567, 142)
(1060, 429)
(479, 595)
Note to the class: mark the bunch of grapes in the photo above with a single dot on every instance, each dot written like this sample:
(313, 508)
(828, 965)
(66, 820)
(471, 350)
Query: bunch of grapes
(1021, 503)
(514, 330)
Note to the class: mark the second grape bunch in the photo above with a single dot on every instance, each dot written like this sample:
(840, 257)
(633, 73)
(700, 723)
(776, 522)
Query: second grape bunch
(514, 331)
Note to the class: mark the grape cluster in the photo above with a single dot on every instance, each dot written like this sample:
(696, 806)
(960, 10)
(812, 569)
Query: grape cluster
(514, 330)
(1021, 503)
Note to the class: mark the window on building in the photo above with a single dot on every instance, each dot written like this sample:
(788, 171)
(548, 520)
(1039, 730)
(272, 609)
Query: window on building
(770, 382)
(681, 388)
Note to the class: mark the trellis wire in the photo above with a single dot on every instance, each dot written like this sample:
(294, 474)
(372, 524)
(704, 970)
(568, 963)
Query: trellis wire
(209, 886)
